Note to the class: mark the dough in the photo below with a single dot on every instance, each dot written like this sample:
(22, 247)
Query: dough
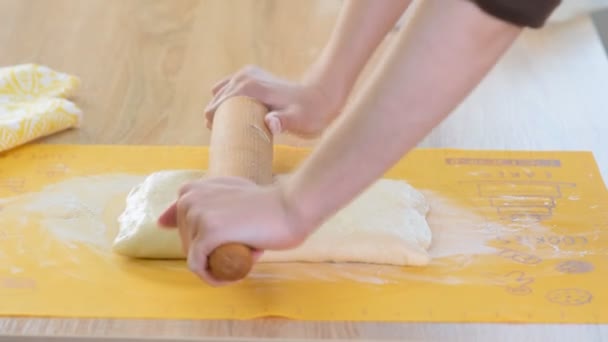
(139, 235)
(386, 224)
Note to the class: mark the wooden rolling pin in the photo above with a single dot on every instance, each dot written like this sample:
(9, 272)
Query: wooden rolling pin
(241, 146)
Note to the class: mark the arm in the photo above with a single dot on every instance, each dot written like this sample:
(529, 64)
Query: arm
(360, 28)
(306, 108)
(431, 69)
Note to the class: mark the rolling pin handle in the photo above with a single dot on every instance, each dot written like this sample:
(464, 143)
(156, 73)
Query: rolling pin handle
(230, 262)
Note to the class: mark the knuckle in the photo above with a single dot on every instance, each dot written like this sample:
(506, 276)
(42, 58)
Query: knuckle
(250, 88)
(245, 85)
(242, 75)
(184, 189)
(194, 217)
(184, 201)
(248, 72)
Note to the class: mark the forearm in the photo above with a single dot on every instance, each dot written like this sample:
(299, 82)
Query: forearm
(430, 70)
(360, 28)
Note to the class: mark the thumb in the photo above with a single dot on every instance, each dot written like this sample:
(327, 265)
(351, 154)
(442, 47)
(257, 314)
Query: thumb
(168, 219)
(279, 121)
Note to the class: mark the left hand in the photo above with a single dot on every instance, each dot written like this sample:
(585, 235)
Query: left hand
(301, 108)
(211, 212)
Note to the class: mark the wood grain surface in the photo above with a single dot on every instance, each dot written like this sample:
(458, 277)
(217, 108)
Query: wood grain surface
(147, 67)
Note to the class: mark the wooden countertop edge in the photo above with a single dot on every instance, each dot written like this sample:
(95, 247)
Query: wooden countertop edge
(32, 338)
(74, 329)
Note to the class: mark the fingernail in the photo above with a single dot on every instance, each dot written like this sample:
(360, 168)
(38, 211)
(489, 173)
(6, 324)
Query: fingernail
(193, 265)
(274, 125)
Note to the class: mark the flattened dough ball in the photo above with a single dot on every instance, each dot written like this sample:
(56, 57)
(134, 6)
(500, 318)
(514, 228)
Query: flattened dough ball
(386, 224)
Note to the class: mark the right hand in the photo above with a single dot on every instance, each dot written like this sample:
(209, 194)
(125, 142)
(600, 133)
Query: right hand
(211, 212)
(299, 108)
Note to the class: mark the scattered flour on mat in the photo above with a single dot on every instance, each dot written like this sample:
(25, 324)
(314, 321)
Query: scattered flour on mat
(360, 273)
(77, 211)
(459, 231)
(73, 210)
(15, 270)
(459, 236)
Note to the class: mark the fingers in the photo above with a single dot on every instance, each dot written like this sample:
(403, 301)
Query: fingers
(195, 214)
(187, 187)
(219, 95)
(250, 88)
(185, 221)
(197, 261)
(219, 85)
(273, 123)
(280, 121)
(198, 257)
(247, 82)
(168, 219)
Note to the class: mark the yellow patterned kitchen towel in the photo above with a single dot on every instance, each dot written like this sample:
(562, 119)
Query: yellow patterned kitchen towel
(33, 103)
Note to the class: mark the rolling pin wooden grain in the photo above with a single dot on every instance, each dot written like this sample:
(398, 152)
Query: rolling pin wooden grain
(241, 146)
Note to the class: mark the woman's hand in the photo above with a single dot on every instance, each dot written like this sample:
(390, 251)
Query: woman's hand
(303, 109)
(212, 212)
(308, 107)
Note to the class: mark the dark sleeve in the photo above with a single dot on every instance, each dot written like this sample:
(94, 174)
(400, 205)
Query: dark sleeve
(529, 13)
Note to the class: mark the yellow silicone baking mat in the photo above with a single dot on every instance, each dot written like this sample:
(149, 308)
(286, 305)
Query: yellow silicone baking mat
(518, 237)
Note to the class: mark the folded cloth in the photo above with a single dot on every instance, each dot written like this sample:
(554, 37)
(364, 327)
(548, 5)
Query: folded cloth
(33, 104)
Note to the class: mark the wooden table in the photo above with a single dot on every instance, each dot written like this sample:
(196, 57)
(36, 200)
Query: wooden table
(147, 67)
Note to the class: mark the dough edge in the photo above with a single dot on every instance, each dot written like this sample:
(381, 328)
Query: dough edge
(139, 236)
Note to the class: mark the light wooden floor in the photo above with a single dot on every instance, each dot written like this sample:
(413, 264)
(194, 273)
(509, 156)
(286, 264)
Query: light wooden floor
(147, 67)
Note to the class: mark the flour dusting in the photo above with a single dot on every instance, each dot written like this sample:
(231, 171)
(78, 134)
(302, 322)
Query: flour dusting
(84, 211)
(356, 272)
(459, 236)
(462, 232)
(74, 211)
(15, 270)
